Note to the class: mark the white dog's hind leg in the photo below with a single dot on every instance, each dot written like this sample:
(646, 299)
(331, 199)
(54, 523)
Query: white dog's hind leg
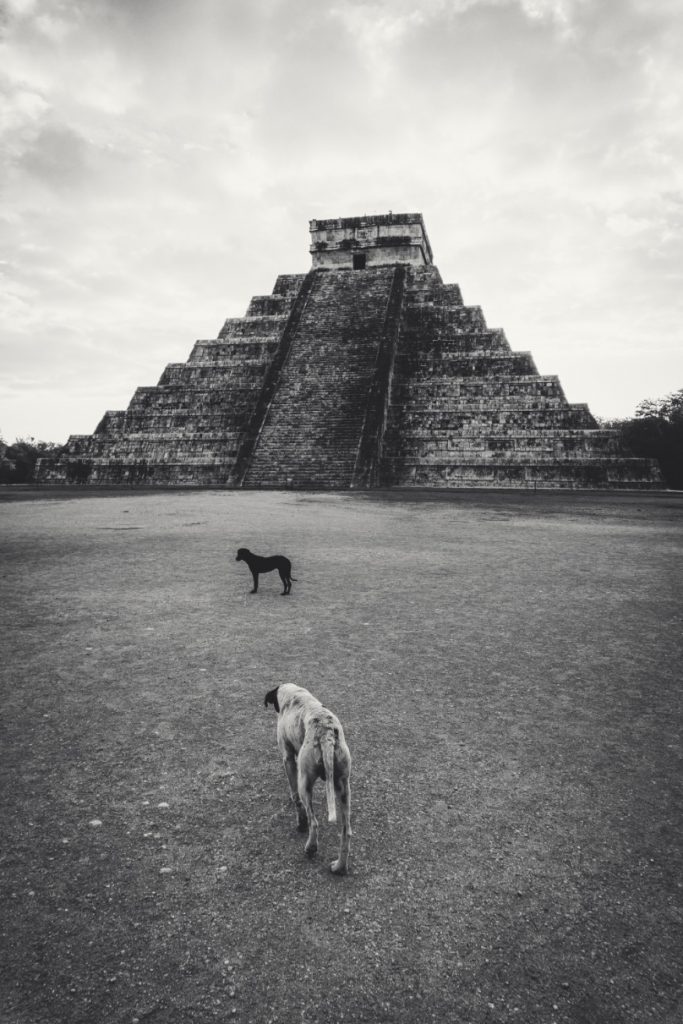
(306, 795)
(290, 768)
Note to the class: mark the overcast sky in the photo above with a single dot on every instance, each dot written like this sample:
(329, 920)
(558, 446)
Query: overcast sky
(161, 160)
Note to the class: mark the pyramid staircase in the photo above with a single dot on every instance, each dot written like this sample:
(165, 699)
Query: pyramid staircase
(313, 430)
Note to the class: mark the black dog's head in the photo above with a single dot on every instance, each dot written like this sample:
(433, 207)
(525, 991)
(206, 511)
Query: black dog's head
(271, 698)
(241, 553)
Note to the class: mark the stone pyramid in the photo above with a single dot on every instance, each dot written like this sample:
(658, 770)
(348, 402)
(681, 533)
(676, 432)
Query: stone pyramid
(368, 371)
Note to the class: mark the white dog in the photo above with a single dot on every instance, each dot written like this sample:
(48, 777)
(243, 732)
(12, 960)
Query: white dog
(312, 745)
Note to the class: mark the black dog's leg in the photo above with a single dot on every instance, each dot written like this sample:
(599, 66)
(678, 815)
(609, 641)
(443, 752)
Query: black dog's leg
(283, 577)
(255, 575)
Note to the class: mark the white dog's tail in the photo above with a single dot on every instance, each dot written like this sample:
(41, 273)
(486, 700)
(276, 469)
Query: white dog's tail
(327, 745)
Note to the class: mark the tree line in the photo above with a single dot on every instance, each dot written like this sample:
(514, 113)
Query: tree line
(18, 460)
(655, 432)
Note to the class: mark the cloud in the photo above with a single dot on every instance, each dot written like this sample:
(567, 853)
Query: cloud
(57, 156)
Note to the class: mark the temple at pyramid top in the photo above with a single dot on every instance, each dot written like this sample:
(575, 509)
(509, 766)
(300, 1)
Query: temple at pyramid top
(355, 243)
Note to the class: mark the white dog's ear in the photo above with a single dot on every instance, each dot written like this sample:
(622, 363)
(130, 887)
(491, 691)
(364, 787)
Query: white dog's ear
(271, 698)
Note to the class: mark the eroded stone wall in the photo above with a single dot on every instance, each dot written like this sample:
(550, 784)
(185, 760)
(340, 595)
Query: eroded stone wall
(467, 411)
(187, 429)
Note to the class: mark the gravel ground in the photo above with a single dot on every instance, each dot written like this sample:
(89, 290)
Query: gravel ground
(507, 669)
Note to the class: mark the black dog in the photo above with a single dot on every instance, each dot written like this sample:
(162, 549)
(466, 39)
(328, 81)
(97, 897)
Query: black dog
(258, 564)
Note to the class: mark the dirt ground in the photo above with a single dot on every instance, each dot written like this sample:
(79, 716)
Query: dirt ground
(508, 671)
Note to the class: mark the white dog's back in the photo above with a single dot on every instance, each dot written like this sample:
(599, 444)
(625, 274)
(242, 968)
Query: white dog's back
(312, 743)
(305, 723)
